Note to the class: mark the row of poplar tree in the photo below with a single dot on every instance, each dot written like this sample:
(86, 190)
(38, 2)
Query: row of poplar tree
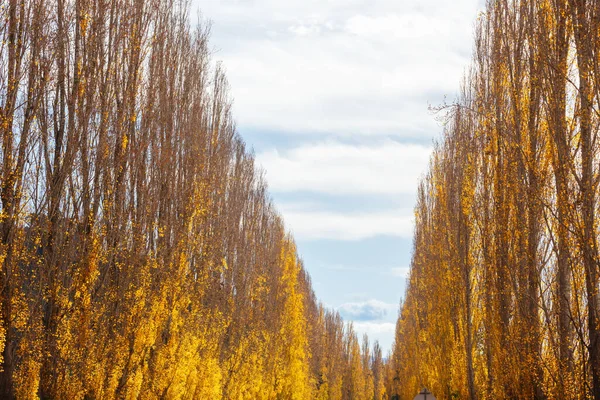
(141, 256)
(504, 293)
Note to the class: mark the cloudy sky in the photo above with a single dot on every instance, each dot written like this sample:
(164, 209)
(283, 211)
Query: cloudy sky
(333, 96)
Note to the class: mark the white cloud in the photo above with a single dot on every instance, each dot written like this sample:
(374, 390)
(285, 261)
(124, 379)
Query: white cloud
(317, 224)
(332, 167)
(369, 310)
(374, 327)
(387, 168)
(401, 272)
(391, 27)
(348, 67)
(380, 331)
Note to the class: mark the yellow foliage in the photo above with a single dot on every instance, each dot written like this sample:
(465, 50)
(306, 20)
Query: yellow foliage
(140, 254)
(293, 377)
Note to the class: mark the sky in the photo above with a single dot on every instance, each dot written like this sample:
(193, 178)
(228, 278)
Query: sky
(334, 96)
